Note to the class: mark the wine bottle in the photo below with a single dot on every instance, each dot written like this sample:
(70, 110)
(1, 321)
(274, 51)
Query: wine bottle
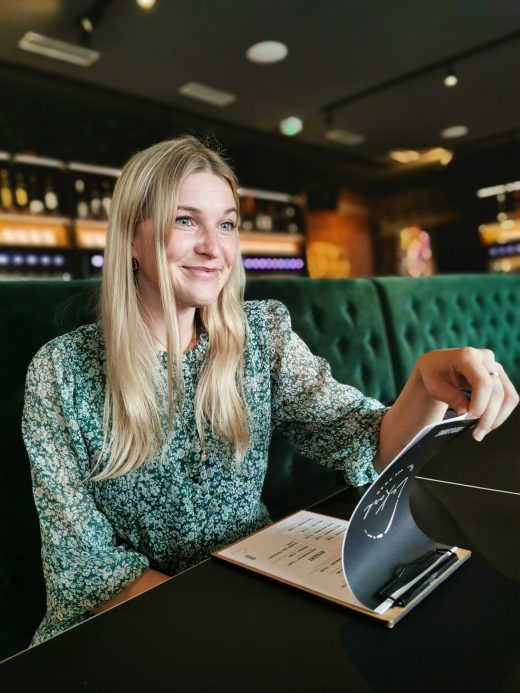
(50, 198)
(36, 205)
(82, 208)
(20, 192)
(106, 199)
(6, 196)
(291, 220)
(95, 205)
(247, 213)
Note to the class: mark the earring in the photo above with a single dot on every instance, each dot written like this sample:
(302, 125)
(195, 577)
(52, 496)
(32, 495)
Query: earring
(135, 264)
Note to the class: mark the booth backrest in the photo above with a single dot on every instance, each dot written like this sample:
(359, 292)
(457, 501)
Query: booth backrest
(341, 321)
(371, 332)
(447, 311)
(31, 313)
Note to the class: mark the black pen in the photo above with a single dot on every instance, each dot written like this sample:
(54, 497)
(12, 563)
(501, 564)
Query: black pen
(420, 586)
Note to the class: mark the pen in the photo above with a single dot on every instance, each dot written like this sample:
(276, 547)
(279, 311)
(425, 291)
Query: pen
(416, 589)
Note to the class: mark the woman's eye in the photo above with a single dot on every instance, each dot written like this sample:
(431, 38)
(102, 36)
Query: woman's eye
(228, 226)
(184, 221)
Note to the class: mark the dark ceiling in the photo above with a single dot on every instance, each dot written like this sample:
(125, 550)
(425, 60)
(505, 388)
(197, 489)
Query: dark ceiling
(386, 59)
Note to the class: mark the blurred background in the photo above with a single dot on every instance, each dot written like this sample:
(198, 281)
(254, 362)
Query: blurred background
(370, 137)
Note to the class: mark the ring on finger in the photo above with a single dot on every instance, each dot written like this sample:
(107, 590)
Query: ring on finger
(494, 369)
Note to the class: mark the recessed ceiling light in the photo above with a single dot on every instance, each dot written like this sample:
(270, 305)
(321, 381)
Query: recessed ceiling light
(267, 52)
(349, 139)
(291, 126)
(454, 131)
(59, 50)
(436, 155)
(207, 94)
(146, 4)
(404, 156)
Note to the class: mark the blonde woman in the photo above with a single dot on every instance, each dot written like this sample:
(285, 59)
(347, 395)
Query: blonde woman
(148, 432)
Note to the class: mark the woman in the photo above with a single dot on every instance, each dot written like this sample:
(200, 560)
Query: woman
(148, 433)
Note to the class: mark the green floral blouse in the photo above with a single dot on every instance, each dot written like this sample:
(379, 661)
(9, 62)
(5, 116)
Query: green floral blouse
(172, 512)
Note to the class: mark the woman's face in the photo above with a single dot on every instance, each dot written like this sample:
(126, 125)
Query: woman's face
(202, 247)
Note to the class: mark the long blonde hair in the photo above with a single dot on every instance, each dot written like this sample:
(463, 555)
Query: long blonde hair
(140, 408)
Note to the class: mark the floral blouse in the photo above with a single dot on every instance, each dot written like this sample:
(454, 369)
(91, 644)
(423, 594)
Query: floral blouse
(173, 511)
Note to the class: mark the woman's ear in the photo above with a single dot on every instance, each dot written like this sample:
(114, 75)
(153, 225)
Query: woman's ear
(137, 241)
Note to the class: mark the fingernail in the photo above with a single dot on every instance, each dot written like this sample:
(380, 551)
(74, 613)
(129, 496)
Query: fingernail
(479, 434)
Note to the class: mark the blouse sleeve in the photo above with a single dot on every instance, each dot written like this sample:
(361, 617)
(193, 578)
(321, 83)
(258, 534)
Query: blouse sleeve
(83, 564)
(332, 423)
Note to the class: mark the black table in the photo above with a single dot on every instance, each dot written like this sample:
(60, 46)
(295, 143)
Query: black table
(217, 627)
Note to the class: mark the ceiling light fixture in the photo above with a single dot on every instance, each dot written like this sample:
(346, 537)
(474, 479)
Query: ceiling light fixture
(86, 24)
(58, 50)
(404, 156)
(329, 119)
(499, 189)
(454, 131)
(90, 20)
(291, 126)
(435, 155)
(349, 139)
(450, 78)
(201, 92)
(146, 4)
(267, 52)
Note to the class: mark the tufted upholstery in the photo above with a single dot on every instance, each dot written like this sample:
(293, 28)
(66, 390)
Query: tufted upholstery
(449, 311)
(371, 332)
(31, 313)
(340, 321)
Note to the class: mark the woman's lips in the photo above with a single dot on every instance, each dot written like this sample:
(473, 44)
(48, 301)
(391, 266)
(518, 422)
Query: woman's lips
(202, 271)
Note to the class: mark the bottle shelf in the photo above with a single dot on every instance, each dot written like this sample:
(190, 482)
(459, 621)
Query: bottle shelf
(258, 243)
(48, 205)
(24, 230)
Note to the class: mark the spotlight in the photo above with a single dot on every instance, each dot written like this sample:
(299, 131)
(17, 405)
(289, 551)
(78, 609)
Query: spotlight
(291, 126)
(450, 78)
(86, 24)
(92, 17)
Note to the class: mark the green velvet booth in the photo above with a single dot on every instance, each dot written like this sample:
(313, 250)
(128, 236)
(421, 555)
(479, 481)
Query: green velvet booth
(342, 322)
(449, 311)
(371, 332)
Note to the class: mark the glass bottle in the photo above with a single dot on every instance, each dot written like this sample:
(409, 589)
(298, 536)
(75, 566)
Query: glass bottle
(36, 205)
(6, 195)
(20, 192)
(50, 198)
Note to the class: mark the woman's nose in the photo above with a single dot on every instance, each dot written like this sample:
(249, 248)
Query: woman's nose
(208, 242)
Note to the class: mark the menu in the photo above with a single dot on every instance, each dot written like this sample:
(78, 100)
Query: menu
(380, 562)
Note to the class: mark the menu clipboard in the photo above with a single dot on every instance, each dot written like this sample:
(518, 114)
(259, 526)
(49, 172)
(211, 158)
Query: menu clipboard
(379, 563)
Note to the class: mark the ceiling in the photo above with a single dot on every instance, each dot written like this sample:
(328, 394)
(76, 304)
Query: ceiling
(374, 55)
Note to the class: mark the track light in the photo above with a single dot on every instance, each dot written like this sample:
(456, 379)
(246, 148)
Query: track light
(329, 119)
(86, 24)
(91, 18)
(450, 78)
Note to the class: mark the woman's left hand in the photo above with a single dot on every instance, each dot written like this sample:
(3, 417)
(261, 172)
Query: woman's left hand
(445, 372)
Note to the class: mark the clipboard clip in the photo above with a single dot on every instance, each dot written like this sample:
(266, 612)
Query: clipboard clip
(410, 579)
